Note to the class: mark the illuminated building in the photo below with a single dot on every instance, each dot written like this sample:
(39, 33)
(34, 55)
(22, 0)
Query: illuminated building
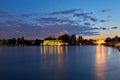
(53, 42)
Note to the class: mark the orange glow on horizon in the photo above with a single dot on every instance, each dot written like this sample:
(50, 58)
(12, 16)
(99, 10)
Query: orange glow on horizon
(100, 41)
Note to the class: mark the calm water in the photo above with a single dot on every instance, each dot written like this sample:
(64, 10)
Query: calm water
(59, 63)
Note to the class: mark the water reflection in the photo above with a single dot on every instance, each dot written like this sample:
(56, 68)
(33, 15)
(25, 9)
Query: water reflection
(57, 62)
(100, 63)
(53, 50)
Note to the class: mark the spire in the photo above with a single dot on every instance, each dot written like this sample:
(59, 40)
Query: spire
(61, 33)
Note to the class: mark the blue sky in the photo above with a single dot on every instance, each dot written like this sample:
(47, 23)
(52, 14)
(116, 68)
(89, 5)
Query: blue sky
(41, 18)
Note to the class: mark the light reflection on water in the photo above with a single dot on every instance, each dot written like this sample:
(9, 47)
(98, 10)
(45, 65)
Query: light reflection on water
(53, 50)
(55, 63)
(59, 63)
(109, 51)
(100, 63)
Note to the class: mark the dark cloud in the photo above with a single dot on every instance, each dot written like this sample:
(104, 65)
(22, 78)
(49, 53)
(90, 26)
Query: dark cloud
(5, 14)
(96, 28)
(88, 16)
(101, 28)
(89, 33)
(31, 31)
(93, 19)
(102, 20)
(65, 12)
(105, 10)
(29, 15)
(104, 28)
(38, 26)
(114, 27)
(53, 20)
(70, 29)
(87, 24)
(79, 15)
(84, 15)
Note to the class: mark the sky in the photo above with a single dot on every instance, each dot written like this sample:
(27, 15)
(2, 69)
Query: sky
(33, 19)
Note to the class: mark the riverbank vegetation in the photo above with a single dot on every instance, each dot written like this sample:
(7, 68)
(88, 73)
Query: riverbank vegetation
(113, 42)
(65, 38)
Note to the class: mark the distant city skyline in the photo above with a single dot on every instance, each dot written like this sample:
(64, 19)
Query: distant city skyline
(33, 19)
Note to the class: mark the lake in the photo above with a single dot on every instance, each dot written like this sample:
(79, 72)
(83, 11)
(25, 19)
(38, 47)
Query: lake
(59, 63)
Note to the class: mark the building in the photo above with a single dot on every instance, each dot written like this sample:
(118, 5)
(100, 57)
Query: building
(53, 42)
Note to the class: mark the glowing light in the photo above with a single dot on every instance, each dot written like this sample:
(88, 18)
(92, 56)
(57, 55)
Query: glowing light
(100, 63)
(53, 42)
(53, 50)
(100, 41)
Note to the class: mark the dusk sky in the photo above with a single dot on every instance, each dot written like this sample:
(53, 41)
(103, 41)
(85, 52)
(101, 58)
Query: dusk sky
(42, 18)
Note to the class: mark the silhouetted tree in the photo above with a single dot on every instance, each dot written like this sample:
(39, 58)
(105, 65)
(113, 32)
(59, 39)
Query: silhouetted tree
(26, 42)
(90, 42)
(49, 38)
(19, 41)
(65, 38)
(108, 40)
(38, 42)
(116, 39)
(13, 41)
(9, 42)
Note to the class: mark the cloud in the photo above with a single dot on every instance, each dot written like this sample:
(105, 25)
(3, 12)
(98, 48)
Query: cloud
(53, 20)
(31, 31)
(102, 20)
(70, 29)
(87, 24)
(5, 14)
(36, 25)
(83, 14)
(104, 28)
(65, 12)
(94, 19)
(100, 28)
(105, 10)
(114, 27)
(91, 33)
(29, 15)
(86, 16)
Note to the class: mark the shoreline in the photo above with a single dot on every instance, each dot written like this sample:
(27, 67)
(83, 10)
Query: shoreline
(118, 48)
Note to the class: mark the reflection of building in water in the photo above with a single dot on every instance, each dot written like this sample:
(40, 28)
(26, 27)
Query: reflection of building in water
(53, 42)
(100, 63)
(57, 59)
(53, 49)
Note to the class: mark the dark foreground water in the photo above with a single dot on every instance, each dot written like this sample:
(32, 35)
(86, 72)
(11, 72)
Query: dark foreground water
(59, 63)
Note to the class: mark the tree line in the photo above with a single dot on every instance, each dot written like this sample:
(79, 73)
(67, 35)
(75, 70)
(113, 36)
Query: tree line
(112, 41)
(70, 39)
(20, 42)
(66, 38)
